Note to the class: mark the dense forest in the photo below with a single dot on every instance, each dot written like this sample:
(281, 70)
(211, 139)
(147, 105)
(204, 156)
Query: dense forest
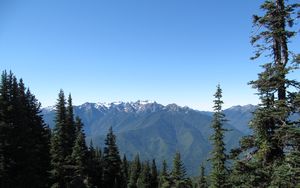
(33, 155)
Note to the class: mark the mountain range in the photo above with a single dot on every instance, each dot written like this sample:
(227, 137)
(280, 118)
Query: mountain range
(156, 131)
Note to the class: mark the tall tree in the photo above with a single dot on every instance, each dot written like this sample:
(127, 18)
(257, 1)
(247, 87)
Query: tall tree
(273, 140)
(135, 172)
(202, 183)
(24, 138)
(154, 175)
(218, 175)
(178, 174)
(125, 170)
(95, 167)
(144, 180)
(71, 133)
(112, 177)
(79, 155)
(164, 179)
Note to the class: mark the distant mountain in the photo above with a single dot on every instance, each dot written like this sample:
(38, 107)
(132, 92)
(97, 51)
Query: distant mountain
(157, 131)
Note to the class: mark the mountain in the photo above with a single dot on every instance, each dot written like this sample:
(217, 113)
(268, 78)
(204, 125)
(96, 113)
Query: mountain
(156, 131)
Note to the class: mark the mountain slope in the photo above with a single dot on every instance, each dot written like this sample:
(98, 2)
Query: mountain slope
(152, 130)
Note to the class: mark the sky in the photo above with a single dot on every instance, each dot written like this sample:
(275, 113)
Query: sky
(169, 51)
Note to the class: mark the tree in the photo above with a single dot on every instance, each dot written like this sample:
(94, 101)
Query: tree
(125, 171)
(202, 183)
(79, 155)
(144, 180)
(24, 137)
(164, 176)
(218, 175)
(95, 167)
(178, 174)
(154, 175)
(266, 151)
(135, 172)
(112, 163)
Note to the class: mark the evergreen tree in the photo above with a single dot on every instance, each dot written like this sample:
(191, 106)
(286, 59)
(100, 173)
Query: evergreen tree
(79, 155)
(24, 138)
(218, 157)
(112, 163)
(95, 167)
(202, 183)
(154, 175)
(164, 176)
(144, 180)
(125, 171)
(71, 135)
(135, 172)
(178, 174)
(266, 152)
(62, 142)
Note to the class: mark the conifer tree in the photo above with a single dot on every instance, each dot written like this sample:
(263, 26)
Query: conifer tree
(125, 171)
(24, 138)
(266, 152)
(202, 183)
(70, 126)
(135, 172)
(154, 175)
(79, 155)
(164, 176)
(218, 175)
(178, 174)
(112, 177)
(144, 180)
(95, 167)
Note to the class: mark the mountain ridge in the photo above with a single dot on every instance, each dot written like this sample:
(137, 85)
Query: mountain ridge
(153, 130)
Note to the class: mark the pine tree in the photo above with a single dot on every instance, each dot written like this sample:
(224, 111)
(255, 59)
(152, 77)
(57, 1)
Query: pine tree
(95, 167)
(178, 174)
(125, 171)
(79, 156)
(135, 172)
(24, 138)
(202, 183)
(144, 180)
(112, 163)
(267, 150)
(70, 126)
(154, 175)
(218, 175)
(164, 181)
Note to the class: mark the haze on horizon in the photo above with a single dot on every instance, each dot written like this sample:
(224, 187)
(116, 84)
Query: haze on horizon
(104, 51)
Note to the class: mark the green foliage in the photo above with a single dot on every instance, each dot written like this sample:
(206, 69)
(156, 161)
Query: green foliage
(178, 174)
(134, 172)
(24, 138)
(154, 175)
(264, 156)
(144, 180)
(218, 175)
(202, 182)
(112, 177)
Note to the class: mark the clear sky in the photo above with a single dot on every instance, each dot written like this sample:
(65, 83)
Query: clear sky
(170, 51)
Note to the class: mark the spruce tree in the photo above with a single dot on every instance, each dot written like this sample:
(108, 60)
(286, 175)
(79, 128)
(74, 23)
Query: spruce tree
(154, 175)
(79, 155)
(265, 154)
(218, 174)
(24, 138)
(95, 167)
(135, 172)
(178, 174)
(112, 176)
(144, 180)
(164, 179)
(125, 171)
(202, 183)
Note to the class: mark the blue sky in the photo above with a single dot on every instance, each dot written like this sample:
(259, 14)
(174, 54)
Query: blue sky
(170, 51)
